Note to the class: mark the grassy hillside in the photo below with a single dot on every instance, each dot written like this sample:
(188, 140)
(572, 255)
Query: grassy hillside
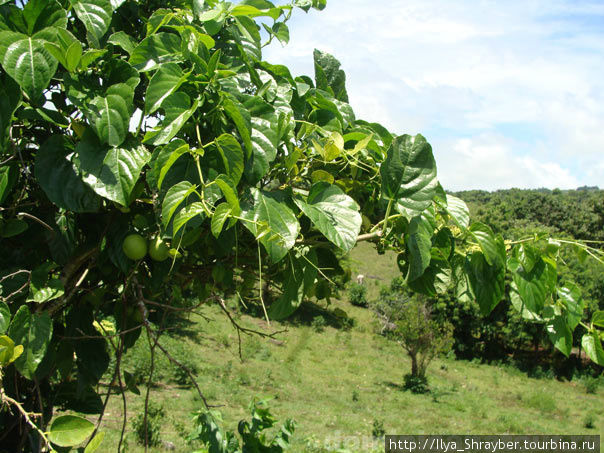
(338, 384)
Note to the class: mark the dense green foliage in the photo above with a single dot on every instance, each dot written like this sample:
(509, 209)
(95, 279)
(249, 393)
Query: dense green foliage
(161, 119)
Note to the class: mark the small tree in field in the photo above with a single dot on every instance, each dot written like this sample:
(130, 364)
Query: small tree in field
(407, 320)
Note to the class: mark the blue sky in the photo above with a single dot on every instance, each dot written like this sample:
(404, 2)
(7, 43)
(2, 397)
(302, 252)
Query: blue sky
(509, 94)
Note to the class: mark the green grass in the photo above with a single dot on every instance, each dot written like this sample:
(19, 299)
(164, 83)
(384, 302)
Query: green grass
(336, 384)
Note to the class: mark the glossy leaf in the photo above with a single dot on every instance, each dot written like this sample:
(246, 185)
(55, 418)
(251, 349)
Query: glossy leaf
(96, 17)
(95, 443)
(112, 172)
(536, 286)
(241, 118)
(459, 212)
(570, 295)
(178, 110)
(69, 430)
(4, 317)
(491, 246)
(273, 221)
(10, 98)
(409, 174)
(419, 244)
(58, 173)
(187, 214)
(299, 277)
(164, 82)
(174, 198)
(8, 177)
(33, 331)
(329, 76)
(110, 115)
(28, 62)
(41, 14)
(487, 282)
(597, 319)
(221, 214)
(173, 150)
(592, 344)
(156, 50)
(333, 213)
(232, 156)
(560, 335)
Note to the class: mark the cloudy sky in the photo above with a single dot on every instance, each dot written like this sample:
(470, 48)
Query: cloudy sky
(509, 94)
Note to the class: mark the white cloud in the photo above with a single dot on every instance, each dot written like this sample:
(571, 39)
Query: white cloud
(488, 162)
(527, 72)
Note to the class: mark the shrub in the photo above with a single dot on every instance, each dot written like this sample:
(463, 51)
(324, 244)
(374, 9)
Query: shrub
(591, 384)
(151, 431)
(416, 384)
(377, 429)
(589, 421)
(318, 323)
(357, 295)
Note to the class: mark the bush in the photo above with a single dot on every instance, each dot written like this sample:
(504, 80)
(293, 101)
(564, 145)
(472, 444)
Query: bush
(591, 384)
(318, 323)
(357, 295)
(152, 430)
(416, 384)
(378, 430)
(589, 421)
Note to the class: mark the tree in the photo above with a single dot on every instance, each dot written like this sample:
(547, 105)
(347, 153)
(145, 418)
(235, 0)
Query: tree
(161, 118)
(406, 319)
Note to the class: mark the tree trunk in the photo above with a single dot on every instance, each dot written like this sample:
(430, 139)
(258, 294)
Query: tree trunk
(414, 365)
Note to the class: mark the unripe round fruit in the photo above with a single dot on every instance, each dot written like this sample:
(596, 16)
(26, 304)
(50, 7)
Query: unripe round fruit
(135, 246)
(158, 250)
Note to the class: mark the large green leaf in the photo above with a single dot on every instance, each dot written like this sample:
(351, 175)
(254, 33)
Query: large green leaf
(8, 177)
(232, 156)
(536, 286)
(110, 115)
(4, 317)
(560, 335)
(333, 213)
(241, 118)
(33, 331)
(69, 430)
(10, 98)
(435, 280)
(178, 110)
(299, 276)
(174, 198)
(487, 282)
(112, 172)
(458, 210)
(27, 61)
(41, 288)
(492, 246)
(96, 17)
(418, 242)
(164, 82)
(570, 295)
(40, 14)
(597, 318)
(592, 344)
(58, 173)
(187, 214)
(329, 76)
(264, 147)
(221, 214)
(156, 50)
(169, 155)
(273, 222)
(409, 174)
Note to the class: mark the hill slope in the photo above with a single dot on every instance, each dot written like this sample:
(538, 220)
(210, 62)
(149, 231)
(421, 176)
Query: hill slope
(336, 384)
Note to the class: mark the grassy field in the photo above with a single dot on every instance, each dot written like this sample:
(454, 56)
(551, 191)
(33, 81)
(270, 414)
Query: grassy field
(339, 385)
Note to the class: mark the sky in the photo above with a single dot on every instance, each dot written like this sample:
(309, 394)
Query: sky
(508, 93)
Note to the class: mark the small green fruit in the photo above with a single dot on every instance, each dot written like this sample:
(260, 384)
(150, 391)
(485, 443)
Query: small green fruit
(158, 250)
(135, 246)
